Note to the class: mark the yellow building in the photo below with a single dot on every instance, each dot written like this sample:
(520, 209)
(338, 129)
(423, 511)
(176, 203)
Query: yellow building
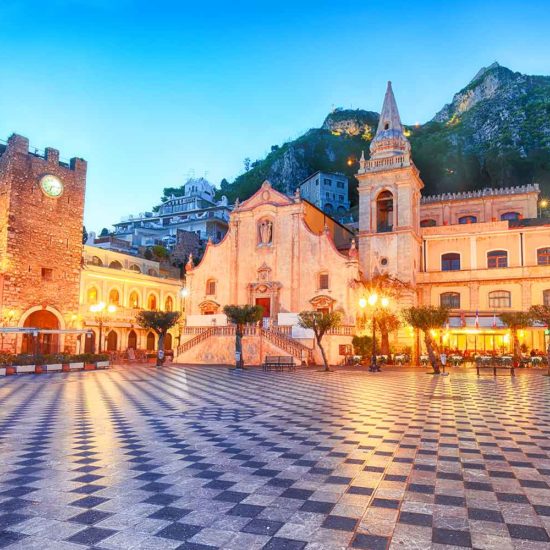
(478, 253)
(127, 284)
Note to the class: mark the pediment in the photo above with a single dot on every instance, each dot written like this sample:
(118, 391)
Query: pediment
(265, 195)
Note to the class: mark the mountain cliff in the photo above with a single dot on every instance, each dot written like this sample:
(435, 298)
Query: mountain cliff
(495, 132)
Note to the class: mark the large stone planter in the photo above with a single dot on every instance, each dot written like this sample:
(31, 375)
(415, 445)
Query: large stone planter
(102, 364)
(55, 367)
(25, 369)
(2, 371)
(76, 366)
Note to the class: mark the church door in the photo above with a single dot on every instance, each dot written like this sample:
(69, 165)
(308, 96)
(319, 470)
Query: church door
(265, 303)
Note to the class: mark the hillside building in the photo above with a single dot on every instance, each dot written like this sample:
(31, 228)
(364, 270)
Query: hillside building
(328, 192)
(196, 211)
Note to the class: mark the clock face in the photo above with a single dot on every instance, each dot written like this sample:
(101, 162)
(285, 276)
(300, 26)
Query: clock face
(51, 185)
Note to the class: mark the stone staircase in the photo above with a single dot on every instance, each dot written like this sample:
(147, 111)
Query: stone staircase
(282, 341)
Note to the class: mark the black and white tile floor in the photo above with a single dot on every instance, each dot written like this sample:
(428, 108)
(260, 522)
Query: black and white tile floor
(201, 457)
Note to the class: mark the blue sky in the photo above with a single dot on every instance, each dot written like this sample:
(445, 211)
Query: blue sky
(151, 91)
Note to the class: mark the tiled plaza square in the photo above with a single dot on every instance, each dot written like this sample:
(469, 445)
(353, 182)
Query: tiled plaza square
(202, 457)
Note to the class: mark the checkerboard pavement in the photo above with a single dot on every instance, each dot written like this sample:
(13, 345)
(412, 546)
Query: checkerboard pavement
(203, 457)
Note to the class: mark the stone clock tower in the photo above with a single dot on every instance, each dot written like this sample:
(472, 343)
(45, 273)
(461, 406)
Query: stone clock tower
(41, 213)
(389, 201)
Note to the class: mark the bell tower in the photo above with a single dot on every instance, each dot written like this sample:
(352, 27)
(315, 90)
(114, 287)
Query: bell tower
(389, 201)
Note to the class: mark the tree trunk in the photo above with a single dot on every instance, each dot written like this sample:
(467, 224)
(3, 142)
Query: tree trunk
(517, 350)
(384, 342)
(431, 352)
(325, 362)
(239, 346)
(160, 349)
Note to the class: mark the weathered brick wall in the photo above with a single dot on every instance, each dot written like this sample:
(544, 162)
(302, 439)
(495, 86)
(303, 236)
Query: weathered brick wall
(37, 231)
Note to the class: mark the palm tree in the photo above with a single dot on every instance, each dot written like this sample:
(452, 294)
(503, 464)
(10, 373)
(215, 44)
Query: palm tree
(516, 320)
(427, 318)
(160, 322)
(393, 288)
(241, 316)
(320, 322)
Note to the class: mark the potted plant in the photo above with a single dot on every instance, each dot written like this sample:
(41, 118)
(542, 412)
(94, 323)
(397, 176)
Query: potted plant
(102, 361)
(26, 363)
(76, 362)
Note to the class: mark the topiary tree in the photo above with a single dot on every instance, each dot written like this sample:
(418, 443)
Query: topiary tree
(241, 316)
(160, 322)
(516, 320)
(320, 322)
(427, 318)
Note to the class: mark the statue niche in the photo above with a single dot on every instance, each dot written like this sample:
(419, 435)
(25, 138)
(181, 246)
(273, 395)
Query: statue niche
(265, 233)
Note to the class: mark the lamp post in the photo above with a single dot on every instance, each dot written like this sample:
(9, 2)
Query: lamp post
(101, 314)
(184, 292)
(372, 301)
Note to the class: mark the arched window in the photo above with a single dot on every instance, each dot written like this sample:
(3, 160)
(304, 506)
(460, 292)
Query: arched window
(546, 297)
(450, 262)
(543, 256)
(500, 299)
(152, 302)
(328, 208)
(134, 300)
(210, 287)
(114, 297)
(150, 341)
(450, 300)
(467, 219)
(428, 223)
(323, 281)
(135, 267)
(168, 304)
(497, 258)
(92, 295)
(512, 216)
(132, 339)
(96, 260)
(152, 272)
(115, 264)
(384, 212)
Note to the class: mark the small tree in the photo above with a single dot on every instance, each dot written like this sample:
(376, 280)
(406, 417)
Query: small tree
(427, 318)
(160, 322)
(320, 322)
(387, 322)
(516, 320)
(241, 316)
(362, 345)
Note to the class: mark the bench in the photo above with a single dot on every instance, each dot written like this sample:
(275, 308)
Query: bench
(494, 366)
(279, 362)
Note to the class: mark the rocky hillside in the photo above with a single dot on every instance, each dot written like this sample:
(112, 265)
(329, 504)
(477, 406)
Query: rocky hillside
(495, 132)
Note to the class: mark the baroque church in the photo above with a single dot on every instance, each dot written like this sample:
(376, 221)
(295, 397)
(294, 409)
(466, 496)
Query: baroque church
(478, 253)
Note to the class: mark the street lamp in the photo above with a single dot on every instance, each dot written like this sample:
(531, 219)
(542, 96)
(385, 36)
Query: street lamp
(101, 314)
(372, 301)
(543, 204)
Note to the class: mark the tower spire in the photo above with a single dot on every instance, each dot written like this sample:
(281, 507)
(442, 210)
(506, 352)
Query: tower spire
(389, 140)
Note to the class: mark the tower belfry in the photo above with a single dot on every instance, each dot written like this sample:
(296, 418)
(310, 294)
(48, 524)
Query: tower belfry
(389, 200)
(390, 140)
